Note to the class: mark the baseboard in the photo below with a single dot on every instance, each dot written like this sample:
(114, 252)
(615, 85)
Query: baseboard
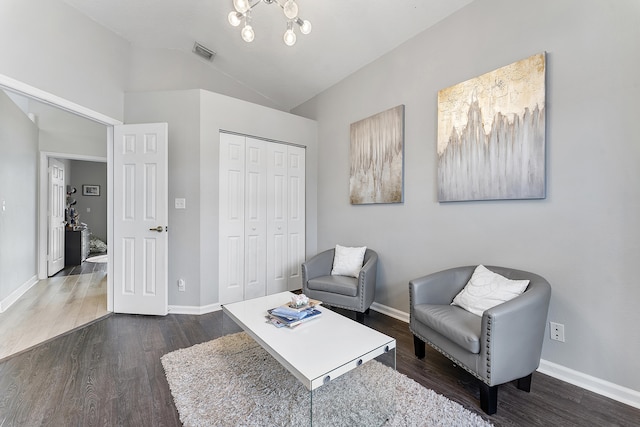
(15, 295)
(391, 312)
(605, 388)
(192, 309)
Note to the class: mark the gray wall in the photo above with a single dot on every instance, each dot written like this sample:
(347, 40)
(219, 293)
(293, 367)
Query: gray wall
(92, 173)
(195, 118)
(18, 171)
(51, 46)
(583, 237)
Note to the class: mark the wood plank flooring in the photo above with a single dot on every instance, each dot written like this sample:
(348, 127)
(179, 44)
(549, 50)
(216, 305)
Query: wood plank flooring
(70, 299)
(109, 373)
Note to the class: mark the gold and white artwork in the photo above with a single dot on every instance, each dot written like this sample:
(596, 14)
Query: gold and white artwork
(376, 163)
(491, 135)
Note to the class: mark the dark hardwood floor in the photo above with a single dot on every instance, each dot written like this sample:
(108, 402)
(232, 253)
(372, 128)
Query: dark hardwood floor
(109, 374)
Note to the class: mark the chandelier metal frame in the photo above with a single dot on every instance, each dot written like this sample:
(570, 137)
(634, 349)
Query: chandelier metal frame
(242, 14)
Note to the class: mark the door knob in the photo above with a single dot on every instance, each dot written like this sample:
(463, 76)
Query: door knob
(158, 229)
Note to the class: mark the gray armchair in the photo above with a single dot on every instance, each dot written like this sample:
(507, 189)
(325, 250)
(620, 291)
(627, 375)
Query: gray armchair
(501, 346)
(352, 293)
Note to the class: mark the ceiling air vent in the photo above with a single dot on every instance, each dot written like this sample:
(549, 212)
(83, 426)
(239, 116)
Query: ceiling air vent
(204, 52)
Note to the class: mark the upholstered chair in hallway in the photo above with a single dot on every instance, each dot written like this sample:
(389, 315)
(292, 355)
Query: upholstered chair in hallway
(496, 345)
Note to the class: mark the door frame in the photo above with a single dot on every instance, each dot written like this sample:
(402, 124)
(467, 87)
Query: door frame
(32, 92)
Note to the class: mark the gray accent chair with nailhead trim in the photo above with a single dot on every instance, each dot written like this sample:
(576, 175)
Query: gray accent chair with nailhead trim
(503, 345)
(351, 293)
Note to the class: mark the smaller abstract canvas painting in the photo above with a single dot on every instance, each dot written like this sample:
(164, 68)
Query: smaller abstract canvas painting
(376, 162)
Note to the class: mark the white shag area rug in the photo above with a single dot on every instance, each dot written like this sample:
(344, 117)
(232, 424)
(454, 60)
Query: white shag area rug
(232, 381)
(98, 259)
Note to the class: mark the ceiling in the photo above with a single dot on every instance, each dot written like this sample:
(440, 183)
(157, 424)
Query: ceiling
(346, 35)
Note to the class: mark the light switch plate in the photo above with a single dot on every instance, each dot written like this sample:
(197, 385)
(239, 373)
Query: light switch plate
(181, 203)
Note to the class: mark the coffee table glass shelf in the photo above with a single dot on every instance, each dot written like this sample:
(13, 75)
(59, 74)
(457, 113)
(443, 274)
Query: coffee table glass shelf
(320, 350)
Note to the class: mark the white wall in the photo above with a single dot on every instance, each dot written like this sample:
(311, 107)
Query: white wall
(195, 118)
(182, 70)
(52, 47)
(18, 199)
(583, 237)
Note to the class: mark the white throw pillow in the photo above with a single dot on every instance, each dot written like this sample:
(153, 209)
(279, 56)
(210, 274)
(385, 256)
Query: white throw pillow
(487, 289)
(348, 261)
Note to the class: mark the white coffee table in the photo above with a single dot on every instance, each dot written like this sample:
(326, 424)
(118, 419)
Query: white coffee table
(315, 352)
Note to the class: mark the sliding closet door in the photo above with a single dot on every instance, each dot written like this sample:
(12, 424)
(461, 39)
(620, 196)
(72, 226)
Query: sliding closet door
(255, 214)
(295, 216)
(277, 207)
(231, 242)
(261, 218)
(286, 217)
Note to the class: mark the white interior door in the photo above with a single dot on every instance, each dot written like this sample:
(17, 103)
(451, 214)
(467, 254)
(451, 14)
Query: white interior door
(57, 204)
(140, 213)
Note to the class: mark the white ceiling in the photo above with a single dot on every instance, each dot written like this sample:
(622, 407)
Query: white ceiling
(347, 34)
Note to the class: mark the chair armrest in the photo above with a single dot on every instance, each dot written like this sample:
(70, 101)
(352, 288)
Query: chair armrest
(439, 288)
(367, 279)
(368, 272)
(318, 265)
(513, 332)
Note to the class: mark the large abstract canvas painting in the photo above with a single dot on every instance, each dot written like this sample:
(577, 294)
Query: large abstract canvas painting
(491, 135)
(376, 163)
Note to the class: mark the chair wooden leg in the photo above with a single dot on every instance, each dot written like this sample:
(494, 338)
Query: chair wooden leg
(418, 346)
(488, 398)
(366, 312)
(524, 383)
(360, 317)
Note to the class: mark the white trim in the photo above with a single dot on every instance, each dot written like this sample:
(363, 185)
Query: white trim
(605, 388)
(391, 312)
(15, 295)
(192, 309)
(21, 88)
(110, 218)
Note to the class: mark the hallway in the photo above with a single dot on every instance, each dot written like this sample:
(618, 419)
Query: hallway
(75, 296)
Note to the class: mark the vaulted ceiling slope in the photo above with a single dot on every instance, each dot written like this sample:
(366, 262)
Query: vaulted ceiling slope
(346, 35)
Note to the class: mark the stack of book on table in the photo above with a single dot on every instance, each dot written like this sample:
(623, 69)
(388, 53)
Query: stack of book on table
(288, 316)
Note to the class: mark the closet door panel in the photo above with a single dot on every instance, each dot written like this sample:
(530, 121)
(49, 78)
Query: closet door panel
(231, 242)
(295, 215)
(255, 218)
(277, 206)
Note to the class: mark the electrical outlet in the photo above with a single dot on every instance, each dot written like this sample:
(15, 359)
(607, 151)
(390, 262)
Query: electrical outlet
(181, 285)
(557, 331)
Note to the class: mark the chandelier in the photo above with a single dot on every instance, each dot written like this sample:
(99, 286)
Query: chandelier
(242, 13)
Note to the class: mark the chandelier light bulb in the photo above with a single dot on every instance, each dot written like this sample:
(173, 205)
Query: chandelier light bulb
(241, 5)
(247, 33)
(305, 28)
(289, 37)
(290, 9)
(235, 18)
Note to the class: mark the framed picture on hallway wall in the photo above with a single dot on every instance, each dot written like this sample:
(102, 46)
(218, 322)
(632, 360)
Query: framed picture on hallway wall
(491, 135)
(90, 190)
(376, 158)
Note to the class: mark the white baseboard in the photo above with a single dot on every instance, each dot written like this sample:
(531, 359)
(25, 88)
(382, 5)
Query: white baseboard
(605, 388)
(191, 309)
(391, 312)
(15, 295)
